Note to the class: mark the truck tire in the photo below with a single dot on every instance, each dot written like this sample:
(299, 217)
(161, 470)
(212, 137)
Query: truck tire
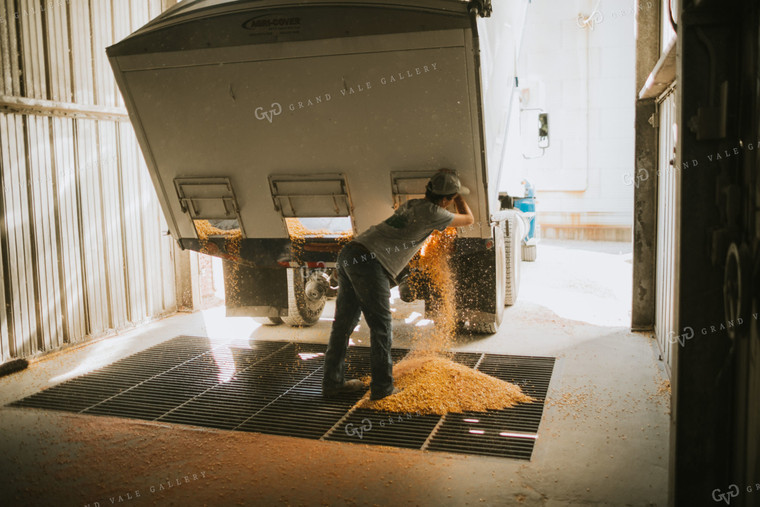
(491, 325)
(268, 321)
(513, 252)
(302, 311)
(529, 253)
(405, 292)
(483, 328)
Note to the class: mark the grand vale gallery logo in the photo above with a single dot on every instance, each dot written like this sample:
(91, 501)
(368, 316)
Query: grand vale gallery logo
(261, 113)
(389, 79)
(732, 492)
(139, 494)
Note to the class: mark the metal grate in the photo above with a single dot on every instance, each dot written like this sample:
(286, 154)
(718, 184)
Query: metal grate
(510, 432)
(275, 388)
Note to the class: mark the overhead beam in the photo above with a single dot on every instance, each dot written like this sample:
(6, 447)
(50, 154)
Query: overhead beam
(39, 107)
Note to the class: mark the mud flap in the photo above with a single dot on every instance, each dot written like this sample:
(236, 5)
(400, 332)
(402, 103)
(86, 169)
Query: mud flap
(479, 268)
(255, 292)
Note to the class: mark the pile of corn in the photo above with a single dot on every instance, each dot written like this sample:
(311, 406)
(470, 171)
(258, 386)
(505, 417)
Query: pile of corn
(432, 384)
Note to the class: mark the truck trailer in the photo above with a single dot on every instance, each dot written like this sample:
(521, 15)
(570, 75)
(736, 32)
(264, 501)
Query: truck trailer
(252, 115)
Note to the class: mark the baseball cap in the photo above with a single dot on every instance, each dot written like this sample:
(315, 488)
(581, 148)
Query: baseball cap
(446, 182)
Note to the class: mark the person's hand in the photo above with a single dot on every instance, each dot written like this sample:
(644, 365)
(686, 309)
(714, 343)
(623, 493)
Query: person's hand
(460, 203)
(464, 214)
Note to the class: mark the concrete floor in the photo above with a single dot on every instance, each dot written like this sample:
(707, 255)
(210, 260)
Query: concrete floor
(603, 439)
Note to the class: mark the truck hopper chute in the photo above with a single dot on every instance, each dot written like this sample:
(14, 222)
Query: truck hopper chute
(249, 113)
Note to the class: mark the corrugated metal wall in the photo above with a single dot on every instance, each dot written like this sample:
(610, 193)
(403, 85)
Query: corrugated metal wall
(81, 234)
(667, 233)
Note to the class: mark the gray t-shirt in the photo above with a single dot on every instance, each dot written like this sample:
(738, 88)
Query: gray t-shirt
(395, 241)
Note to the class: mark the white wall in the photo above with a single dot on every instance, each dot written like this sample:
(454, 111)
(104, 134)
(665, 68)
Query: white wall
(583, 77)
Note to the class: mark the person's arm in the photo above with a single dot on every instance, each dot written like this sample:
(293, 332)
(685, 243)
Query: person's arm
(464, 214)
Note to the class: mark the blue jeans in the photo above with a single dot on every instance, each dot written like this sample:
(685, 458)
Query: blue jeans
(363, 287)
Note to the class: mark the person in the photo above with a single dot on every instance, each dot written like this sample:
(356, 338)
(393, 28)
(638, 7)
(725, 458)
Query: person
(367, 268)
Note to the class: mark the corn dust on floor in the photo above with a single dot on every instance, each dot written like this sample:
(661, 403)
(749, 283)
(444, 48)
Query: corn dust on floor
(433, 384)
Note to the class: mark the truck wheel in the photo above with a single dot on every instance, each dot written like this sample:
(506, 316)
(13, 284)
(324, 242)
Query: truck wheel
(268, 321)
(304, 307)
(405, 292)
(529, 253)
(483, 328)
(512, 257)
(491, 325)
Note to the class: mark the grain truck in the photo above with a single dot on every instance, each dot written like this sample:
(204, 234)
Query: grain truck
(254, 116)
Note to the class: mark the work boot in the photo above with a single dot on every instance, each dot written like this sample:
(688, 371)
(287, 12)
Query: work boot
(349, 386)
(372, 396)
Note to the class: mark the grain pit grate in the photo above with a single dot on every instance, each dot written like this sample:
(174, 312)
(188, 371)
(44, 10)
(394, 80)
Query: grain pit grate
(275, 388)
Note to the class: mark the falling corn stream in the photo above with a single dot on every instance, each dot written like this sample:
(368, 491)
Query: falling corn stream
(232, 240)
(430, 381)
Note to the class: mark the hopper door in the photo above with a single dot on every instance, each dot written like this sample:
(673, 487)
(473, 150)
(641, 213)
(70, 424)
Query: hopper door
(311, 196)
(210, 199)
(409, 185)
